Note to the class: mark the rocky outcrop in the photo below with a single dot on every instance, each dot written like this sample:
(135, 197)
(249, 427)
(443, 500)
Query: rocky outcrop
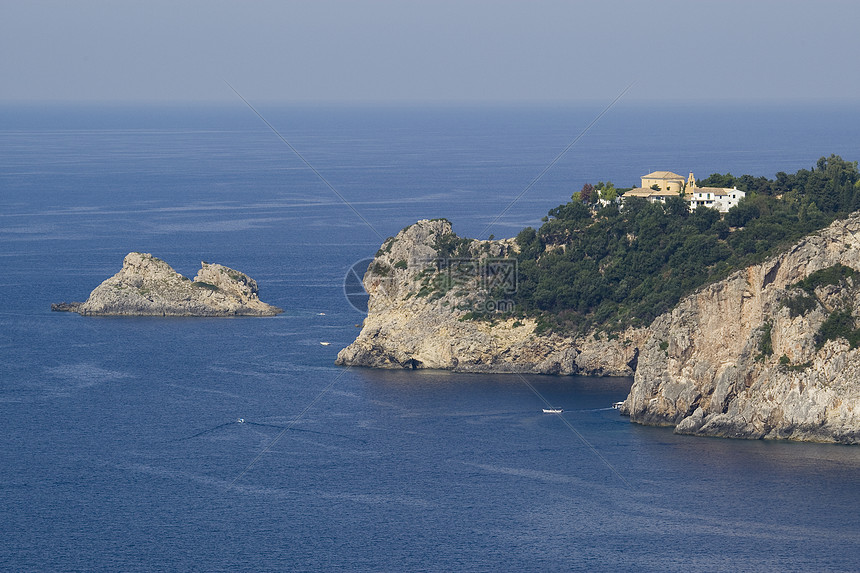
(427, 284)
(757, 355)
(750, 356)
(147, 286)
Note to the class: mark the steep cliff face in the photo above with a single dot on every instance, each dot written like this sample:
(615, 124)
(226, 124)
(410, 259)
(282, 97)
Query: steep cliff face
(426, 283)
(766, 353)
(147, 286)
(754, 356)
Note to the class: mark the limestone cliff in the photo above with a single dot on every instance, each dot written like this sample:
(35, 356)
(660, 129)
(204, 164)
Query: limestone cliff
(147, 286)
(769, 352)
(749, 357)
(426, 283)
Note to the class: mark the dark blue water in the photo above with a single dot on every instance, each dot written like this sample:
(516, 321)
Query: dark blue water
(120, 447)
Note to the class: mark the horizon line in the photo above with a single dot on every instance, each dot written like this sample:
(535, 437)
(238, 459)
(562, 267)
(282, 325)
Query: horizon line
(438, 103)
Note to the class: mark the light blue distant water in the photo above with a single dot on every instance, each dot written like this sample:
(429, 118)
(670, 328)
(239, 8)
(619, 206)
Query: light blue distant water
(119, 447)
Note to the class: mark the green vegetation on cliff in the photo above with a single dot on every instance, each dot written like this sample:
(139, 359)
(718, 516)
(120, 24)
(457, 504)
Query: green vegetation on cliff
(618, 267)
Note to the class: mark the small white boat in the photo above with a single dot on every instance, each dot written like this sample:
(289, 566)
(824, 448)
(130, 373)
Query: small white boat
(552, 410)
(320, 314)
(617, 405)
(325, 343)
(240, 420)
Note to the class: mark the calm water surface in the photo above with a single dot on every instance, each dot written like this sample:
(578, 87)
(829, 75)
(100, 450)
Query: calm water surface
(121, 447)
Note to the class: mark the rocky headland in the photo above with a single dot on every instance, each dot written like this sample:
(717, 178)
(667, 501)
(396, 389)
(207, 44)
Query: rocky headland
(767, 353)
(425, 284)
(148, 286)
(751, 356)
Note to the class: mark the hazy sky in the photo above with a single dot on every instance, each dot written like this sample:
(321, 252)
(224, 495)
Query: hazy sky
(408, 51)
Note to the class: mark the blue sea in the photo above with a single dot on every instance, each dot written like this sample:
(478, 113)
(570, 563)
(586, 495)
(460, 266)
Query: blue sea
(121, 445)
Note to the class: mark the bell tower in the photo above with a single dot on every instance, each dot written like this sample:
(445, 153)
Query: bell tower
(691, 183)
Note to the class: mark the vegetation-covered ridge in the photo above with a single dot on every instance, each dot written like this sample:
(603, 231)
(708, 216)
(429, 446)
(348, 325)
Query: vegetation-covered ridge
(611, 267)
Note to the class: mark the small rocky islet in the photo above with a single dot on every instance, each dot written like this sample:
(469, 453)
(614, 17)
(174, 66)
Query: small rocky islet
(148, 286)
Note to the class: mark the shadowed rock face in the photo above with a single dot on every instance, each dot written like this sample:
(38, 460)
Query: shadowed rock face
(707, 370)
(420, 297)
(147, 286)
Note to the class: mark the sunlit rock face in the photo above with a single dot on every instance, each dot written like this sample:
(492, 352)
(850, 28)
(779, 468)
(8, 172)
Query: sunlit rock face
(740, 358)
(147, 286)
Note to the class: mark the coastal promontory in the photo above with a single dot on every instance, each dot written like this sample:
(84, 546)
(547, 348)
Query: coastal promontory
(770, 352)
(736, 320)
(427, 286)
(148, 286)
